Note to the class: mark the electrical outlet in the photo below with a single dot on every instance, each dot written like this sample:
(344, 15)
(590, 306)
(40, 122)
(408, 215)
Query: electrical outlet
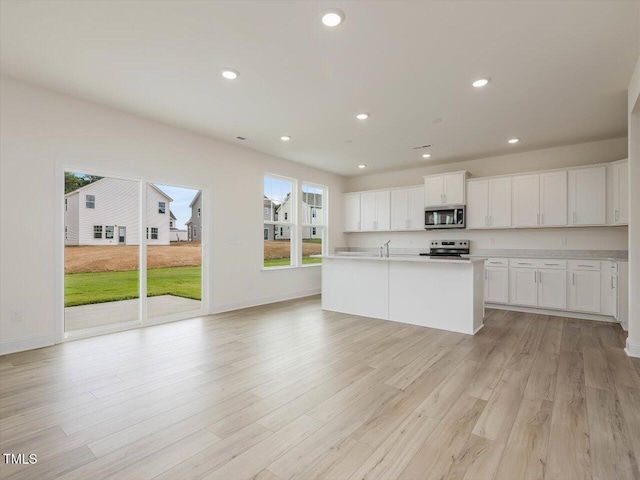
(16, 316)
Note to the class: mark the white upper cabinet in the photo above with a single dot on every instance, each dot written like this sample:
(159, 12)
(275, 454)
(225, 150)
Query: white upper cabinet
(553, 198)
(587, 196)
(352, 212)
(477, 203)
(446, 189)
(375, 208)
(621, 193)
(526, 200)
(540, 199)
(489, 203)
(407, 208)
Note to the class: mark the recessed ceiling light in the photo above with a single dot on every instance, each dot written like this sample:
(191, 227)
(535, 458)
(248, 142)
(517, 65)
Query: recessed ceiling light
(230, 74)
(285, 138)
(426, 155)
(514, 140)
(481, 82)
(362, 166)
(362, 116)
(332, 17)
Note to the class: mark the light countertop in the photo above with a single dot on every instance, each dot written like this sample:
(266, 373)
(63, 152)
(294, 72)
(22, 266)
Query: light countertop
(402, 258)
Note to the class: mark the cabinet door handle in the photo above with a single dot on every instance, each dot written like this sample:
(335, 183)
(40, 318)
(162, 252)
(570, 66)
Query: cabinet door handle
(523, 263)
(500, 263)
(490, 220)
(588, 266)
(550, 264)
(611, 282)
(538, 218)
(573, 278)
(486, 275)
(616, 216)
(535, 277)
(542, 219)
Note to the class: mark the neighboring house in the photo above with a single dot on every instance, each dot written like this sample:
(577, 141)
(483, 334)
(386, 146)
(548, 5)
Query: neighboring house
(106, 212)
(269, 214)
(175, 234)
(311, 210)
(194, 225)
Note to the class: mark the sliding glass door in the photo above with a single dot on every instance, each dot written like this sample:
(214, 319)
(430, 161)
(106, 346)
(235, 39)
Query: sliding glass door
(103, 239)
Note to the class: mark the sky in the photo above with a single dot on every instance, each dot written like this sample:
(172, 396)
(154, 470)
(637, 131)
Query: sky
(182, 197)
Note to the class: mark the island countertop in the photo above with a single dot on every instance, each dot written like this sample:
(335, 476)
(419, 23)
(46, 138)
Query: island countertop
(404, 258)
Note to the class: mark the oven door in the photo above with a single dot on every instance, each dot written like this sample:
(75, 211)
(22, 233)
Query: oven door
(444, 217)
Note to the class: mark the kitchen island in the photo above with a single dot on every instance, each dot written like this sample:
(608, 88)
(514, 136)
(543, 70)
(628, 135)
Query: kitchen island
(443, 293)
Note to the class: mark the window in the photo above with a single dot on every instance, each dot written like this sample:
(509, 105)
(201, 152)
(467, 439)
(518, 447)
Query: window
(108, 231)
(195, 231)
(279, 211)
(66, 202)
(199, 212)
(66, 237)
(162, 207)
(147, 233)
(313, 222)
(97, 231)
(154, 233)
(90, 201)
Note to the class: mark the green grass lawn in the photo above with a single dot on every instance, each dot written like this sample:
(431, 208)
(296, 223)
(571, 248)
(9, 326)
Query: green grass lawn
(285, 262)
(99, 287)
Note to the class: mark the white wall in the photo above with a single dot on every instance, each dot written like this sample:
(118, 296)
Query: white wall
(607, 238)
(633, 340)
(42, 131)
(549, 158)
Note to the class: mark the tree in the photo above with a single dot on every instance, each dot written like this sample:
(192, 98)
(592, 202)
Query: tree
(74, 181)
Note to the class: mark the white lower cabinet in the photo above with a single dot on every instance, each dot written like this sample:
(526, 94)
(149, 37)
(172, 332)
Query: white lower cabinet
(523, 287)
(552, 289)
(584, 286)
(584, 291)
(496, 285)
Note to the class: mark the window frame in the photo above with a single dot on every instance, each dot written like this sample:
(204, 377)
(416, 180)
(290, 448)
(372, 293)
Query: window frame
(162, 208)
(106, 231)
(97, 230)
(290, 223)
(92, 202)
(316, 219)
(156, 233)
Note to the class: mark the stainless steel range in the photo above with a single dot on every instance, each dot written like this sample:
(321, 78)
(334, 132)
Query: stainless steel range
(448, 248)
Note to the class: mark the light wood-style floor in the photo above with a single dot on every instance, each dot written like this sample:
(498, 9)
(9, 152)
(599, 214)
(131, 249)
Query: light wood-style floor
(289, 391)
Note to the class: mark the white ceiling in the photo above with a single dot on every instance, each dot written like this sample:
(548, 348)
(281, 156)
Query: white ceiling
(560, 72)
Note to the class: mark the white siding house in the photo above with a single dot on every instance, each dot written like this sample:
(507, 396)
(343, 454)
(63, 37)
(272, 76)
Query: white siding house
(175, 234)
(311, 211)
(106, 212)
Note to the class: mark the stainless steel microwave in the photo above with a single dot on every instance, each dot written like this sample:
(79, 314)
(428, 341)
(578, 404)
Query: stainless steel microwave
(445, 216)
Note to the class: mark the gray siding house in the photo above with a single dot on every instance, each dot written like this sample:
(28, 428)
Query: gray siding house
(194, 225)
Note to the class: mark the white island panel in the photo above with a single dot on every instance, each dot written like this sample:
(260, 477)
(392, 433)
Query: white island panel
(447, 296)
(356, 286)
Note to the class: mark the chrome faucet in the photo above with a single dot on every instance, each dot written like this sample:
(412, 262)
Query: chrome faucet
(386, 246)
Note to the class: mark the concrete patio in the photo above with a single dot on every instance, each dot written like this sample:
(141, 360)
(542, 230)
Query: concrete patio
(110, 313)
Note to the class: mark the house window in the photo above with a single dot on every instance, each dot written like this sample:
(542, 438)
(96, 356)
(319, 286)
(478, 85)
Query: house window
(154, 233)
(199, 211)
(66, 237)
(162, 207)
(90, 201)
(279, 210)
(313, 222)
(195, 231)
(66, 201)
(108, 231)
(147, 233)
(97, 231)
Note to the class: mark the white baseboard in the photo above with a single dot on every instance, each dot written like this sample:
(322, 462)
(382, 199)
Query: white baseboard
(27, 343)
(632, 349)
(557, 313)
(228, 307)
